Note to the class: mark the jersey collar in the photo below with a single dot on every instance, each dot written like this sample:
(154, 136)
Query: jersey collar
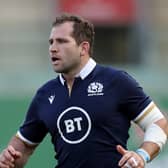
(85, 71)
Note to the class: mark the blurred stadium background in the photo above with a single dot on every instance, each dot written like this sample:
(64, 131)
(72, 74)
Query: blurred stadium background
(130, 34)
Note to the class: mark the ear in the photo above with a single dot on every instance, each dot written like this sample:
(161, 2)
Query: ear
(85, 47)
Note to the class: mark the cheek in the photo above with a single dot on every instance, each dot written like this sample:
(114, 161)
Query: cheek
(71, 52)
(49, 50)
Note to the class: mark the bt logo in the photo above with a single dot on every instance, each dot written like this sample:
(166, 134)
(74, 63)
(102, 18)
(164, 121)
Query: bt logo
(74, 125)
(70, 124)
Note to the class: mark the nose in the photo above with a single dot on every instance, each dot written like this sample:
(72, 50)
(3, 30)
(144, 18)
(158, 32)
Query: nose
(53, 47)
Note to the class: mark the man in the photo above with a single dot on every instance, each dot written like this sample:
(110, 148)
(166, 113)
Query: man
(87, 109)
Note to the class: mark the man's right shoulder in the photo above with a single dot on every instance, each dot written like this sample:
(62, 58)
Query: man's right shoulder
(49, 85)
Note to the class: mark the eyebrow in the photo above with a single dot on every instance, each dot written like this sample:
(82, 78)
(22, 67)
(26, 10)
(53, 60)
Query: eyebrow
(59, 39)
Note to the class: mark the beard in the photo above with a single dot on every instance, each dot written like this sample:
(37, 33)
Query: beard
(67, 68)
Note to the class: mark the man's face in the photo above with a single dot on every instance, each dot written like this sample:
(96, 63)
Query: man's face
(63, 49)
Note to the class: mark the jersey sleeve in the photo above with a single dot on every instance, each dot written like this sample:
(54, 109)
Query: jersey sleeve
(133, 98)
(33, 130)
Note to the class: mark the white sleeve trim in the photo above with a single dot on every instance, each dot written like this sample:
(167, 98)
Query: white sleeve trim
(146, 120)
(19, 135)
(148, 116)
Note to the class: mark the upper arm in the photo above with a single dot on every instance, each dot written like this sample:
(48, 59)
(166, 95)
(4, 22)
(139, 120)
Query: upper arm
(34, 129)
(133, 99)
(149, 115)
(155, 125)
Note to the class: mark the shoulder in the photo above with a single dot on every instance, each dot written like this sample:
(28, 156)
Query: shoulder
(105, 70)
(48, 86)
(112, 72)
(116, 77)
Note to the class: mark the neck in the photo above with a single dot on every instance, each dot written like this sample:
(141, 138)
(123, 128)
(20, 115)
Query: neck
(69, 77)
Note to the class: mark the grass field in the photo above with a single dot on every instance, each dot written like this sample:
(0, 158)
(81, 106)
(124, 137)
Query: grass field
(12, 112)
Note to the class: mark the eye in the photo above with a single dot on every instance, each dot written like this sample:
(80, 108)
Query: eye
(61, 40)
(50, 41)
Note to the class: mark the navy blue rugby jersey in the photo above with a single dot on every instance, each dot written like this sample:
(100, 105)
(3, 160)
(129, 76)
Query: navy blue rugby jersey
(86, 125)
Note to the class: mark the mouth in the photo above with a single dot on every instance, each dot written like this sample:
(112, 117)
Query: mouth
(54, 59)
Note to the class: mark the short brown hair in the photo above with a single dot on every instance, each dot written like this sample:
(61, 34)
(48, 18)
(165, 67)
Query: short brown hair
(83, 30)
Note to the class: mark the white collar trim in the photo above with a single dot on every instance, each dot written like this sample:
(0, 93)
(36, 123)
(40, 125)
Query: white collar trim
(85, 71)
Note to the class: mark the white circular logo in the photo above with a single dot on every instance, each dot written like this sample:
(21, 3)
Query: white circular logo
(74, 125)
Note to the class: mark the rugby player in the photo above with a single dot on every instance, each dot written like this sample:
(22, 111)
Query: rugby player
(87, 109)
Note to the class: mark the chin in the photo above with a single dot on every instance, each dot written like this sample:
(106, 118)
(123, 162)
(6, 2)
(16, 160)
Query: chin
(58, 70)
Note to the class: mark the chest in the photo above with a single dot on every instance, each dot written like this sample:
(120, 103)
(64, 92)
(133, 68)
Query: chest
(89, 103)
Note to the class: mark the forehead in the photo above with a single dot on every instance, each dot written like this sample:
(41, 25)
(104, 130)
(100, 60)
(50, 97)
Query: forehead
(62, 30)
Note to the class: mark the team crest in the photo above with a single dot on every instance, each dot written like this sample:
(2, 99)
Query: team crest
(95, 89)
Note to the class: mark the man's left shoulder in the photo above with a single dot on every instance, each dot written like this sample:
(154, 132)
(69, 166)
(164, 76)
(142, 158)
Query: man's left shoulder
(106, 69)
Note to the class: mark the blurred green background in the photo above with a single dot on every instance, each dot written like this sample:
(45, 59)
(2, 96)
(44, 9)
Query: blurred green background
(139, 46)
(12, 114)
